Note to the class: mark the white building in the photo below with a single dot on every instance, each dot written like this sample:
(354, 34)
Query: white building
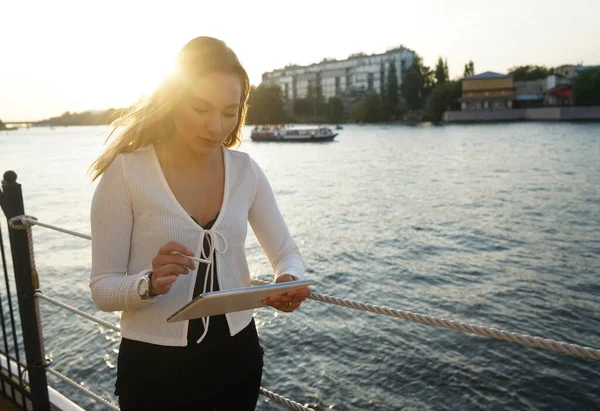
(352, 77)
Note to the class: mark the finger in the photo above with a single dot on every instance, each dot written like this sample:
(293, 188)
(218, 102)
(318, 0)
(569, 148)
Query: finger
(170, 269)
(284, 278)
(268, 301)
(163, 290)
(163, 285)
(272, 299)
(282, 306)
(173, 246)
(279, 306)
(300, 292)
(280, 298)
(164, 259)
(287, 307)
(164, 281)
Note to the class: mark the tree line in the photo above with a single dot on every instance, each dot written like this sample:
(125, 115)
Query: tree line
(425, 91)
(86, 118)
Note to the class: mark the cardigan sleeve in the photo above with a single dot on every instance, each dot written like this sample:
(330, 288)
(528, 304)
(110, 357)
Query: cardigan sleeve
(271, 231)
(112, 287)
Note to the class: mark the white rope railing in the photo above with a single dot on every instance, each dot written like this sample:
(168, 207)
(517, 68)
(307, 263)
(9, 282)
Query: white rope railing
(293, 405)
(524, 339)
(572, 349)
(78, 312)
(27, 220)
(83, 389)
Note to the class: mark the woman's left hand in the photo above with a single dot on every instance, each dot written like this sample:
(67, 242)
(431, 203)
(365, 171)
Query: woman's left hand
(289, 301)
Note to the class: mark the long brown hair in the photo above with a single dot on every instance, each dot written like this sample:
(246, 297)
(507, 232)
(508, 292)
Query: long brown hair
(152, 119)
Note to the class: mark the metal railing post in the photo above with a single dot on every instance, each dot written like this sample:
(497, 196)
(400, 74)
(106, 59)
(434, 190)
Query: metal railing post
(12, 204)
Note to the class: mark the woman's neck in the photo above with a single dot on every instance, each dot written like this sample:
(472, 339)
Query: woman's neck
(178, 158)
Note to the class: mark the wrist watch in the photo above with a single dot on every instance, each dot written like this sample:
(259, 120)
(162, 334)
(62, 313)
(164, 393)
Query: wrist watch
(143, 287)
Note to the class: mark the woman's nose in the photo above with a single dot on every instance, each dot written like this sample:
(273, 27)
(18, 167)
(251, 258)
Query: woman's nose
(214, 123)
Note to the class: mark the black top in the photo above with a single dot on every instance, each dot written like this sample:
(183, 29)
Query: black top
(219, 322)
(196, 370)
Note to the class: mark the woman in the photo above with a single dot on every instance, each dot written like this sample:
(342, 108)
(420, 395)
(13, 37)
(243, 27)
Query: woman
(170, 183)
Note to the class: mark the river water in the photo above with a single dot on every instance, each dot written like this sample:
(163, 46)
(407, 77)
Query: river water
(496, 225)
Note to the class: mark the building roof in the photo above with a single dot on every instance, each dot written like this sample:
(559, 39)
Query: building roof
(354, 56)
(486, 75)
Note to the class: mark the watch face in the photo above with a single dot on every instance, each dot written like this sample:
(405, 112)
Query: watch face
(142, 287)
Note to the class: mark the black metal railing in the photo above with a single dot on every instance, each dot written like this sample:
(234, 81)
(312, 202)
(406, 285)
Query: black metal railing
(13, 386)
(23, 384)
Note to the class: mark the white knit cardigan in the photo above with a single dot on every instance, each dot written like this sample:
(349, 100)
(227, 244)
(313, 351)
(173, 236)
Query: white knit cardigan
(134, 213)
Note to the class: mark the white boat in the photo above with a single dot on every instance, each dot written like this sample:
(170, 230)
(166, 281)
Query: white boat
(279, 133)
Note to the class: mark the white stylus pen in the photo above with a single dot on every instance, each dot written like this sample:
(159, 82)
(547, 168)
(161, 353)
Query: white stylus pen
(197, 259)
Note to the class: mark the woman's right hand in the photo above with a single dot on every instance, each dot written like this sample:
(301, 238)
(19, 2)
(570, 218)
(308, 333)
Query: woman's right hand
(170, 261)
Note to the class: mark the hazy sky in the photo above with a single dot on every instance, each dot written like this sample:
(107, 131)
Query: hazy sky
(77, 55)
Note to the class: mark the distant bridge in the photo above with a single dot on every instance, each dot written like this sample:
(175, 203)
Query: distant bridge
(21, 123)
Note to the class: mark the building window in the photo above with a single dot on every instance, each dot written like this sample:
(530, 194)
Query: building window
(337, 86)
(370, 81)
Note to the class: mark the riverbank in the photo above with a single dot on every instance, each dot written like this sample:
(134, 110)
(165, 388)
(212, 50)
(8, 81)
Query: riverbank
(525, 114)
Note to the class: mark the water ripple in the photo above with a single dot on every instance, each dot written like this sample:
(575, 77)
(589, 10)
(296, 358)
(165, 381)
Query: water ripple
(495, 225)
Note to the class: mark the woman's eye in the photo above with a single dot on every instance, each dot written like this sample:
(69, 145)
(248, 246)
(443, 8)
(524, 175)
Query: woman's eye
(230, 115)
(200, 110)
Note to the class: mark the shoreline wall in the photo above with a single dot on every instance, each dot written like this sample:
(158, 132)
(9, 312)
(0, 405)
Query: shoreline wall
(525, 114)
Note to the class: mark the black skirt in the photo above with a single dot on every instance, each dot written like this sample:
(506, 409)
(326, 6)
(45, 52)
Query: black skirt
(159, 377)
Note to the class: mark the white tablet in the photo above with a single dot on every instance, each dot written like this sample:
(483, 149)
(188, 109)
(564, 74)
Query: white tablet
(237, 299)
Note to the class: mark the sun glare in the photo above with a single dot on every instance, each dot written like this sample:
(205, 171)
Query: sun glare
(135, 79)
(152, 78)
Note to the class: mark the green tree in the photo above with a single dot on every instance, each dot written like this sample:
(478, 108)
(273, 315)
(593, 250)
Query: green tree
(441, 71)
(335, 110)
(310, 93)
(529, 72)
(86, 118)
(444, 96)
(303, 107)
(416, 81)
(412, 87)
(469, 69)
(370, 109)
(382, 80)
(265, 105)
(586, 87)
(392, 87)
(320, 103)
(315, 104)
